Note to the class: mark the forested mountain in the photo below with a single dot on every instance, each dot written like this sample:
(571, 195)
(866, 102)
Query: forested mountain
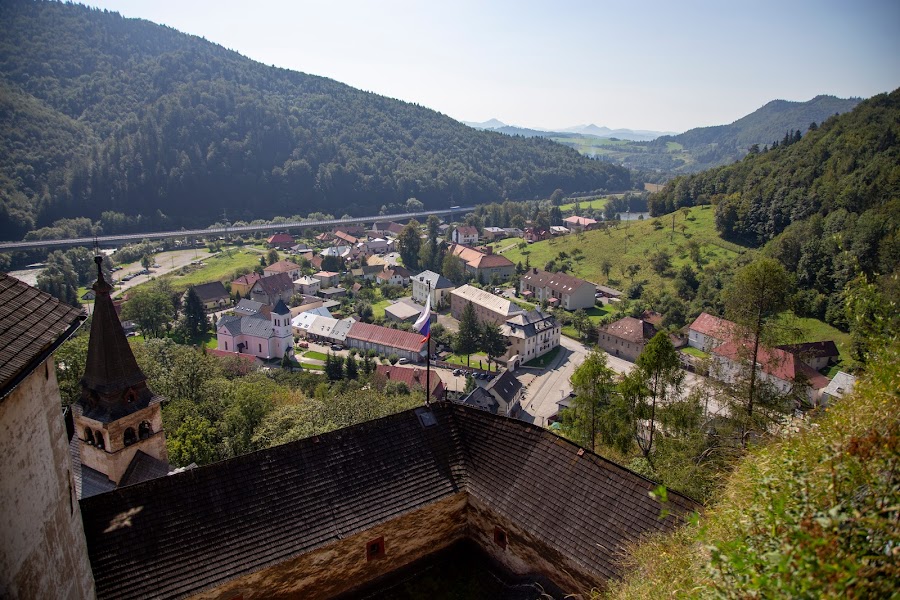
(827, 204)
(102, 113)
(712, 146)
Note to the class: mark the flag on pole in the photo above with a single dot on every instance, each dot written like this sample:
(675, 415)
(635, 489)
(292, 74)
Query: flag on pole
(423, 323)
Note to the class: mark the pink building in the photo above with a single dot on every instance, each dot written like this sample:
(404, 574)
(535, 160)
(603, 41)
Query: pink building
(266, 336)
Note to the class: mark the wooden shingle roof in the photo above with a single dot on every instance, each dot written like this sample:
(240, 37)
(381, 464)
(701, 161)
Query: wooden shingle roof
(181, 534)
(32, 325)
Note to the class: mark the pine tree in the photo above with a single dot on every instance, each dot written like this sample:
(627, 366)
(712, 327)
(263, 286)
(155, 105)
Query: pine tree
(492, 342)
(469, 333)
(352, 369)
(194, 316)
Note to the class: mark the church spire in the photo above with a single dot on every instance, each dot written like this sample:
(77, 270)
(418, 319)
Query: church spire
(113, 384)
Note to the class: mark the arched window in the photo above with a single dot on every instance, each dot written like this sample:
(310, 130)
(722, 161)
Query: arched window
(89, 436)
(99, 441)
(129, 437)
(144, 430)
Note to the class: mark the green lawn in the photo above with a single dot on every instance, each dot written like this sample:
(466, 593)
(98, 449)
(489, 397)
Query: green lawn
(314, 355)
(460, 360)
(595, 203)
(312, 367)
(804, 329)
(632, 243)
(546, 359)
(695, 352)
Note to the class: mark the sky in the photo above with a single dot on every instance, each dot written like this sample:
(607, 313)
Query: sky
(654, 64)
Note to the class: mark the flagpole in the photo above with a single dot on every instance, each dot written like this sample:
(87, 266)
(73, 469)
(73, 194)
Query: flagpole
(428, 354)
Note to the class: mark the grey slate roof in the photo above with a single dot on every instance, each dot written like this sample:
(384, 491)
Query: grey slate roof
(248, 307)
(32, 325)
(255, 325)
(143, 467)
(507, 386)
(531, 323)
(438, 282)
(193, 530)
(208, 292)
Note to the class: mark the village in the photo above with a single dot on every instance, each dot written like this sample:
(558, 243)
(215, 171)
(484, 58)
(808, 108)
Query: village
(313, 299)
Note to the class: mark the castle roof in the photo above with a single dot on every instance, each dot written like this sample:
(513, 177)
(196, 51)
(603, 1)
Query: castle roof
(32, 325)
(192, 531)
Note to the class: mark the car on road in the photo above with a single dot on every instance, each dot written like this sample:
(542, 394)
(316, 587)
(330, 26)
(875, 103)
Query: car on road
(337, 347)
(456, 372)
(403, 361)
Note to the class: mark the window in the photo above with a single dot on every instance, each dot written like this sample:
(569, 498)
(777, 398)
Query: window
(89, 436)
(144, 430)
(260, 347)
(129, 438)
(500, 537)
(99, 441)
(226, 345)
(375, 549)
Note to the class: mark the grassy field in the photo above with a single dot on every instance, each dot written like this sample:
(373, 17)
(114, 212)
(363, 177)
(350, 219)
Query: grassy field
(814, 330)
(460, 359)
(695, 352)
(216, 268)
(546, 359)
(632, 243)
(314, 355)
(594, 203)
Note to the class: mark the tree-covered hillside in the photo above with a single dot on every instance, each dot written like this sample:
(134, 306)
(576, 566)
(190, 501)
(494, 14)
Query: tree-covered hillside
(712, 146)
(102, 113)
(827, 204)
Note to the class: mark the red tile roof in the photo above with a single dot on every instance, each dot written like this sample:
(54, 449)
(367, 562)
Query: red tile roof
(282, 266)
(413, 378)
(248, 279)
(714, 327)
(631, 330)
(394, 338)
(777, 363)
(281, 238)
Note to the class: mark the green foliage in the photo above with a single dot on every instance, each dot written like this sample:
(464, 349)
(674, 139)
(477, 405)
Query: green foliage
(195, 320)
(467, 338)
(409, 244)
(192, 442)
(813, 515)
(593, 384)
(491, 341)
(115, 115)
(71, 359)
(151, 308)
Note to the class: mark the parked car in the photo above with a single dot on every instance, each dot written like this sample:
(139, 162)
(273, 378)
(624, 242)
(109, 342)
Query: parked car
(402, 361)
(456, 371)
(337, 347)
(303, 344)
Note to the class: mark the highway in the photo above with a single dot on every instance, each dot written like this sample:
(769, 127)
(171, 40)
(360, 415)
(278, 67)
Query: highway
(108, 240)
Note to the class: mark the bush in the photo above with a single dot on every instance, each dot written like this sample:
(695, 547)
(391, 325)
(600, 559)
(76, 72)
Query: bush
(393, 358)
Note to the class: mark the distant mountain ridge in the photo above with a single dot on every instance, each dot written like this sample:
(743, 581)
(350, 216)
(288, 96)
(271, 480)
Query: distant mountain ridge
(636, 135)
(107, 115)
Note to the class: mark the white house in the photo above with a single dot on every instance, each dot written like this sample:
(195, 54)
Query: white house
(440, 288)
(707, 332)
(465, 234)
(843, 383)
(570, 292)
(283, 266)
(531, 335)
(308, 286)
(266, 336)
(327, 278)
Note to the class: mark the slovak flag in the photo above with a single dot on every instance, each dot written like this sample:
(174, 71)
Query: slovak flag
(423, 324)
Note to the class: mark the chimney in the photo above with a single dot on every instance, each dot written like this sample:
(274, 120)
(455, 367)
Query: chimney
(535, 270)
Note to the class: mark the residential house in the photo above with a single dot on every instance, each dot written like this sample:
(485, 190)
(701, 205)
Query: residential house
(309, 304)
(783, 370)
(508, 392)
(367, 272)
(386, 341)
(242, 284)
(558, 230)
(708, 331)
(488, 307)
(266, 336)
(283, 266)
(332, 293)
(513, 232)
(307, 285)
(530, 335)
(571, 292)
(532, 234)
(465, 234)
(818, 355)
(280, 240)
(384, 227)
(269, 290)
(402, 312)
(484, 266)
(213, 295)
(842, 384)
(414, 379)
(395, 275)
(352, 229)
(376, 246)
(300, 248)
(492, 233)
(626, 337)
(439, 285)
(344, 238)
(342, 252)
(579, 223)
(327, 278)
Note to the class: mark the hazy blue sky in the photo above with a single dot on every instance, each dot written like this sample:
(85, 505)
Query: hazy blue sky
(660, 65)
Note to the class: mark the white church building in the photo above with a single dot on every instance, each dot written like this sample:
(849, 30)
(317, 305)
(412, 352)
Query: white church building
(266, 335)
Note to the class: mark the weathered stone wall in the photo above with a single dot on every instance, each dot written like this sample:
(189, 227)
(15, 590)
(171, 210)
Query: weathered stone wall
(525, 554)
(43, 553)
(342, 565)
